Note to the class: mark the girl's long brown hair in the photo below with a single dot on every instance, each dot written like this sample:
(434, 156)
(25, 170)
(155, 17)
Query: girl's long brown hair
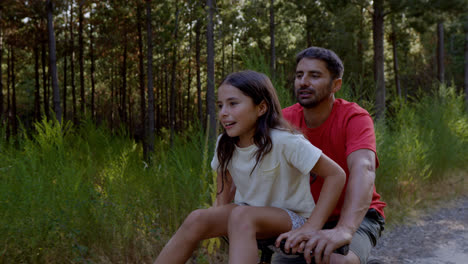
(258, 87)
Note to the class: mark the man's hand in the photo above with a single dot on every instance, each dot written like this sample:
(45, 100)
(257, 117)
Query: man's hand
(321, 242)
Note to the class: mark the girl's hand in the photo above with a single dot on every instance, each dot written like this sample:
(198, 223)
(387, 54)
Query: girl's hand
(296, 239)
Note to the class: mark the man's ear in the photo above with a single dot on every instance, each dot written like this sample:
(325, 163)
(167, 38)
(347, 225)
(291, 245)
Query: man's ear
(262, 108)
(336, 85)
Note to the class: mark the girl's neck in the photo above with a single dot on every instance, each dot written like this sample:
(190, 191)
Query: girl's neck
(245, 142)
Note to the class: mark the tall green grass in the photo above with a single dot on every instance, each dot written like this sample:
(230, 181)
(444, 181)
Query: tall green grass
(84, 195)
(422, 142)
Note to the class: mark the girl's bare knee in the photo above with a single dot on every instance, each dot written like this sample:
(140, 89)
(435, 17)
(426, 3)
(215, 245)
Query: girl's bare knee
(240, 220)
(195, 224)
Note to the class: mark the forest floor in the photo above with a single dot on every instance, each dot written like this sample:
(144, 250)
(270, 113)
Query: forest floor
(436, 235)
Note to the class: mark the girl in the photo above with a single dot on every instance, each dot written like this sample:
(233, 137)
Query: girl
(265, 167)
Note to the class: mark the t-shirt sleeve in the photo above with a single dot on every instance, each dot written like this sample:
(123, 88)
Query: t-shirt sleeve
(300, 153)
(360, 134)
(214, 161)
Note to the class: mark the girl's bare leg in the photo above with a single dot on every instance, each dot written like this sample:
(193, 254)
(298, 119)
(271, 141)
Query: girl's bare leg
(249, 223)
(200, 224)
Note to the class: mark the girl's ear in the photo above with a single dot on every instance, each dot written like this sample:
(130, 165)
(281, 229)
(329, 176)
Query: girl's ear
(262, 108)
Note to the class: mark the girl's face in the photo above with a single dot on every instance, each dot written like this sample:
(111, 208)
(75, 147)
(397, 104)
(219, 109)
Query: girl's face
(238, 114)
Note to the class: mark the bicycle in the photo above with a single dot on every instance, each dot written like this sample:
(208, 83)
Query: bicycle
(266, 246)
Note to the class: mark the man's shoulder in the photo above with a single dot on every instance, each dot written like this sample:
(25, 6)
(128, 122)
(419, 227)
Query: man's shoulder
(295, 108)
(349, 109)
(293, 113)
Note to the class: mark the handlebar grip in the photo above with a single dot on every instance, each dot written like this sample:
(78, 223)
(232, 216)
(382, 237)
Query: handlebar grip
(343, 250)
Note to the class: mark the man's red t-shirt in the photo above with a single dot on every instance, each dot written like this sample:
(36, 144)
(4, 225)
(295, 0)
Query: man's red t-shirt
(348, 128)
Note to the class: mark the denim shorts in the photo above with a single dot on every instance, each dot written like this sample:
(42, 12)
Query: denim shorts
(362, 242)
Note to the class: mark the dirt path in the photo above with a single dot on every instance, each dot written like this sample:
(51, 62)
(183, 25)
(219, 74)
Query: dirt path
(440, 236)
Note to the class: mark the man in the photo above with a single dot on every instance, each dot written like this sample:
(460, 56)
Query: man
(345, 133)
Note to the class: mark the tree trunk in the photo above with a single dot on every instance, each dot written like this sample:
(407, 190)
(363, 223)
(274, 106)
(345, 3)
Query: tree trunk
(123, 90)
(14, 120)
(1, 73)
(172, 117)
(440, 53)
(81, 58)
(272, 39)
(159, 97)
(188, 116)
(37, 94)
(379, 75)
(395, 60)
(65, 62)
(8, 99)
(197, 62)
(53, 62)
(466, 62)
(210, 96)
(72, 67)
(44, 79)
(92, 70)
(150, 114)
(141, 78)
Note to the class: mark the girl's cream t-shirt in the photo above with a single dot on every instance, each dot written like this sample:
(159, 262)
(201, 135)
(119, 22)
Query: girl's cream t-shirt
(281, 179)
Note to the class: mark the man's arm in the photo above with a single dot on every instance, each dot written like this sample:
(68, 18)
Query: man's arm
(361, 164)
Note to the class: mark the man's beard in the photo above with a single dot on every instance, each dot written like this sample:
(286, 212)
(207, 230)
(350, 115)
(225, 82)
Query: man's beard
(317, 98)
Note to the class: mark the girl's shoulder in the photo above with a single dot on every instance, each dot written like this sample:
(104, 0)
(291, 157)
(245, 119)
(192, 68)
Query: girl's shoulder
(286, 136)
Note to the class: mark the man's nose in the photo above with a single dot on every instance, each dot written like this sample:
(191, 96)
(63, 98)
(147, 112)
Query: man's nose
(304, 82)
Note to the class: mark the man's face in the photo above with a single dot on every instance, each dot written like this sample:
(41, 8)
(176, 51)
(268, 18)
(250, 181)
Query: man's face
(313, 83)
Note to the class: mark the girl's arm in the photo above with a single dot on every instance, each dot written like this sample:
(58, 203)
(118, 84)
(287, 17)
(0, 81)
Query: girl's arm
(334, 181)
(224, 194)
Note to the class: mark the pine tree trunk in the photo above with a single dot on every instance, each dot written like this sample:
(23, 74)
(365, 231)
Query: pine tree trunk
(440, 53)
(53, 62)
(65, 62)
(37, 94)
(123, 90)
(198, 72)
(8, 98)
(44, 79)
(92, 70)
(72, 67)
(379, 75)
(14, 120)
(81, 58)
(141, 78)
(150, 114)
(210, 95)
(272, 39)
(172, 117)
(466, 62)
(1, 74)
(188, 116)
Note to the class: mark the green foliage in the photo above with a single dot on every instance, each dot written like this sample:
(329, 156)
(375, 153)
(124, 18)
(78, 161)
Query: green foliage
(422, 143)
(81, 194)
(255, 60)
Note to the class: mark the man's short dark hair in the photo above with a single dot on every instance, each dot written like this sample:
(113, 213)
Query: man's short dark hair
(334, 63)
